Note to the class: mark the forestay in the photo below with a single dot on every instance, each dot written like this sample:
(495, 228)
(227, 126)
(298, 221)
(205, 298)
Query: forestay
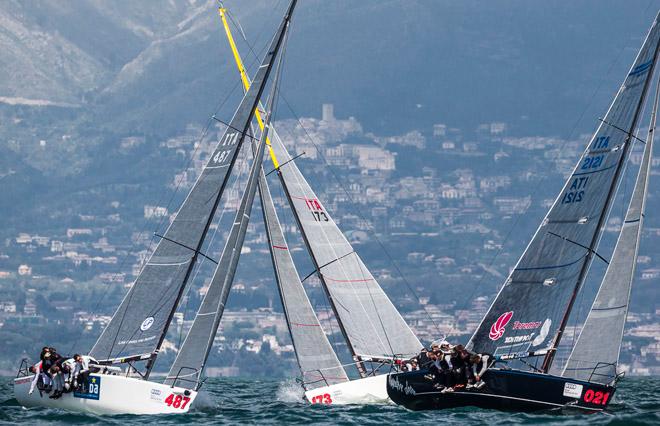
(529, 310)
(596, 351)
(317, 360)
(141, 321)
(369, 320)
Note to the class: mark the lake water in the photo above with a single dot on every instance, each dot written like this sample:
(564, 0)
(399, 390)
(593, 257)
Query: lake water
(245, 401)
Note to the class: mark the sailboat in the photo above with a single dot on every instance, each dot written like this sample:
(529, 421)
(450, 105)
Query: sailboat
(134, 335)
(374, 330)
(527, 319)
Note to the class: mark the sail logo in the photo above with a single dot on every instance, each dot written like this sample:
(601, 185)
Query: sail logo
(317, 211)
(498, 328)
(147, 323)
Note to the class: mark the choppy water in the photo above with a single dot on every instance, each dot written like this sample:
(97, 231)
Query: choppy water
(244, 401)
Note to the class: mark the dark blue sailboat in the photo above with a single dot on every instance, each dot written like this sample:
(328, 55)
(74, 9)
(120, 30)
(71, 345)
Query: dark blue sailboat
(525, 323)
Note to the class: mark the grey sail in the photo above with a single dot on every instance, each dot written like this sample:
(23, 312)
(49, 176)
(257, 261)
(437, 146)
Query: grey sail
(139, 325)
(368, 319)
(191, 358)
(316, 358)
(532, 307)
(596, 352)
(189, 364)
(141, 321)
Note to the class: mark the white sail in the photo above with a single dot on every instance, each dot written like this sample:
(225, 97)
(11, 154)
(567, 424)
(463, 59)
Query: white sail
(371, 324)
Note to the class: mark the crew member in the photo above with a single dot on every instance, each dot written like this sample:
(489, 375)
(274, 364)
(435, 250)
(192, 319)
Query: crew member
(479, 363)
(39, 374)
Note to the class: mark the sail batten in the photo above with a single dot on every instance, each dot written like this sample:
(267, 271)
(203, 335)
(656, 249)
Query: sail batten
(532, 307)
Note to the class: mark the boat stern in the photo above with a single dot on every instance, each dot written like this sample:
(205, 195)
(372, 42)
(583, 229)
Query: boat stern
(111, 394)
(368, 390)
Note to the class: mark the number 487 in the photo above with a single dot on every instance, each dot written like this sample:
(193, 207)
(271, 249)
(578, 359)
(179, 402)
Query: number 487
(177, 401)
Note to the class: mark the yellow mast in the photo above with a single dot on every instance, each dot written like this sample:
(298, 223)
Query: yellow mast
(246, 80)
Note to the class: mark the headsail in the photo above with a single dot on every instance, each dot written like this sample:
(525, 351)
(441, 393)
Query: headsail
(139, 325)
(190, 361)
(371, 324)
(596, 352)
(532, 307)
(317, 360)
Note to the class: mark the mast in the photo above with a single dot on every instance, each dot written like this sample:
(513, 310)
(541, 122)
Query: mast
(592, 357)
(549, 357)
(139, 326)
(204, 327)
(316, 359)
(246, 84)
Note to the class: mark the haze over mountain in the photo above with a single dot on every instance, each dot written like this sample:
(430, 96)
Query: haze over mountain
(396, 64)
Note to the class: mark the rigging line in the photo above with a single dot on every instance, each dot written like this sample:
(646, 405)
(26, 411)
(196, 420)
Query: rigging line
(188, 247)
(247, 135)
(158, 308)
(630, 135)
(380, 319)
(318, 270)
(362, 216)
(580, 245)
(287, 162)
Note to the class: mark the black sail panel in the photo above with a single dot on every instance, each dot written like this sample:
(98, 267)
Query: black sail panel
(138, 326)
(528, 311)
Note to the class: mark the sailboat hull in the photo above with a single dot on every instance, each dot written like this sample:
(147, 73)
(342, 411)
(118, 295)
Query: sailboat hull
(369, 390)
(508, 390)
(110, 394)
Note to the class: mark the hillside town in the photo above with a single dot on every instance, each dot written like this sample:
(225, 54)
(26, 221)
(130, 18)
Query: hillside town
(440, 215)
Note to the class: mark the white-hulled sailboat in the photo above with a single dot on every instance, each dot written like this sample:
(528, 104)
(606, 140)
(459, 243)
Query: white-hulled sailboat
(137, 330)
(374, 330)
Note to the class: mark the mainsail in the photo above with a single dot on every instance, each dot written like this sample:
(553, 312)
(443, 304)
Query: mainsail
(596, 352)
(531, 309)
(139, 325)
(190, 361)
(371, 324)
